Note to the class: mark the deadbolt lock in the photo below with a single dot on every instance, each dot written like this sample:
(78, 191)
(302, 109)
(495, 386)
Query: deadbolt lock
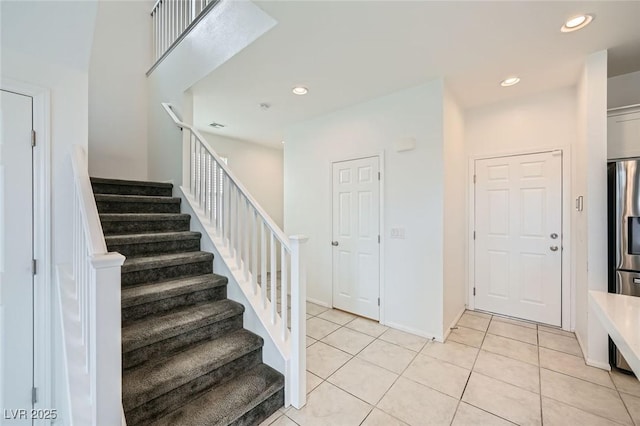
(334, 243)
(554, 235)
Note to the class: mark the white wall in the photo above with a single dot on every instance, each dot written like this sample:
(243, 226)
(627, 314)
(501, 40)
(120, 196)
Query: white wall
(590, 176)
(596, 197)
(623, 90)
(259, 168)
(413, 188)
(118, 90)
(455, 213)
(579, 218)
(542, 121)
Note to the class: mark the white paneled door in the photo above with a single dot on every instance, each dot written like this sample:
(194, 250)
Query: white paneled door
(16, 254)
(518, 246)
(356, 241)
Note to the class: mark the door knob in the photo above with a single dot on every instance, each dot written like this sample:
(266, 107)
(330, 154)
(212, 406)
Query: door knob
(334, 243)
(554, 235)
(554, 248)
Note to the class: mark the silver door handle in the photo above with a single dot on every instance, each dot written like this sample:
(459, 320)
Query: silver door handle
(334, 243)
(554, 248)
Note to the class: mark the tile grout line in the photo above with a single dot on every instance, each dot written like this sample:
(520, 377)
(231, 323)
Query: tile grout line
(621, 399)
(464, 389)
(539, 375)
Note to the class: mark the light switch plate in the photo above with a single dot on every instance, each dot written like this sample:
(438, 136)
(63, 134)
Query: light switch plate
(397, 233)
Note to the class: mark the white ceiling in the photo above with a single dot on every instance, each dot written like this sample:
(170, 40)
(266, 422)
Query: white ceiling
(349, 52)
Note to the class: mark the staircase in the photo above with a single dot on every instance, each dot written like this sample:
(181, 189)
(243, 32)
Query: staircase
(186, 358)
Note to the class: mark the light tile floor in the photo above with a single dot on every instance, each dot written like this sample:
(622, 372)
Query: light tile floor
(491, 371)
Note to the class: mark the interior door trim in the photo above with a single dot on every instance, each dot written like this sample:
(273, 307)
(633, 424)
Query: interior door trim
(381, 223)
(568, 284)
(42, 293)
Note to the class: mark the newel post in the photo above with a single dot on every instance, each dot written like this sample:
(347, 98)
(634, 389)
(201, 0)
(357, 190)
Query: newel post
(106, 346)
(298, 368)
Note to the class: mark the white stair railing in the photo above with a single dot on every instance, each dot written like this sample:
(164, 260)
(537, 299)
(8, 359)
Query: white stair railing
(255, 250)
(171, 20)
(89, 306)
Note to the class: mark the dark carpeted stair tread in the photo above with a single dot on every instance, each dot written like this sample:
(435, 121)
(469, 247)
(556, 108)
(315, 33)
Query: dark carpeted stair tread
(124, 198)
(107, 181)
(131, 187)
(165, 260)
(135, 245)
(151, 237)
(149, 381)
(137, 223)
(180, 321)
(230, 402)
(116, 203)
(139, 217)
(146, 293)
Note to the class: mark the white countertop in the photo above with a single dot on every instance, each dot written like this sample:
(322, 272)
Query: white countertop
(620, 316)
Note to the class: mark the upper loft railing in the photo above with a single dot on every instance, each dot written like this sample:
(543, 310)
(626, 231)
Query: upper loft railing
(89, 308)
(171, 21)
(267, 264)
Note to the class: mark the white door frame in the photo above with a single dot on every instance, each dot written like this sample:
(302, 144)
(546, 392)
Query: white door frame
(380, 156)
(42, 294)
(567, 291)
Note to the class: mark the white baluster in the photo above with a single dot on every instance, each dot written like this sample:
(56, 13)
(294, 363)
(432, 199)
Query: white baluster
(284, 289)
(254, 250)
(229, 216)
(237, 227)
(227, 209)
(247, 237)
(192, 165)
(274, 287)
(263, 263)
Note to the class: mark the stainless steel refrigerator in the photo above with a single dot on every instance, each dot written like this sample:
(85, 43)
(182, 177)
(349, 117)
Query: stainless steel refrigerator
(624, 235)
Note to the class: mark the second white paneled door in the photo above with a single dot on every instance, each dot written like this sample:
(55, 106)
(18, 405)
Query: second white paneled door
(356, 241)
(16, 258)
(518, 246)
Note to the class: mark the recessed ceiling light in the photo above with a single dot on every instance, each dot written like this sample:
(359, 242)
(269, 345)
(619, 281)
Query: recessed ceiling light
(576, 23)
(510, 81)
(216, 125)
(300, 90)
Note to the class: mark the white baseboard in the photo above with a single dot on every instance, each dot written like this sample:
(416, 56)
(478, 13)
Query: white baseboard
(583, 348)
(412, 331)
(598, 364)
(319, 302)
(447, 331)
(589, 361)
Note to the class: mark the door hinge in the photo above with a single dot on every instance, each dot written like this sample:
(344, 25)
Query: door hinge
(378, 239)
(34, 266)
(378, 301)
(474, 235)
(378, 175)
(474, 178)
(34, 395)
(474, 291)
(33, 138)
